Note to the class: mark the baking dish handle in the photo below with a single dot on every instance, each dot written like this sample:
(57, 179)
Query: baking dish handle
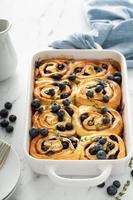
(87, 182)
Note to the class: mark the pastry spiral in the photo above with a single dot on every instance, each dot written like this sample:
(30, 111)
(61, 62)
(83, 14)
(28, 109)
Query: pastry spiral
(97, 120)
(102, 146)
(99, 92)
(61, 122)
(86, 70)
(52, 91)
(51, 70)
(55, 148)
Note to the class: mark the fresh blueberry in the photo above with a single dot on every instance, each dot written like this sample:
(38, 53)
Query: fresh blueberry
(84, 116)
(117, 79)
(43, 132)
(106, 99)
(66, 102)
(111, 77)
(69, 111)
(64, 95)
(33, 132)
(102, 140)
(60, 113)
(117, 183)
(104, 66)
(98, 88)
(78, 69)
(4, 113)
(35, 103)
(61, 67)
(101, 155)
(12, 118)
(9, 129)
(72, 77)
(98, 147)
(69, 126)
(4, 123)
(110, 145)
(103, 110)
(8, 105)
(56, 77)
(62, 86)
(90, 94)
(65, 144)
(55, 107)
(101, 185)
(106, 120)
(60, 127)
(113, 137)
(111, 190)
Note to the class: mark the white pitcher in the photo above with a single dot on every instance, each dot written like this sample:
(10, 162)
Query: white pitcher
(8, 58)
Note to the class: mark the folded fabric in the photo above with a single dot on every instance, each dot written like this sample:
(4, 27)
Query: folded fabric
(111, 27)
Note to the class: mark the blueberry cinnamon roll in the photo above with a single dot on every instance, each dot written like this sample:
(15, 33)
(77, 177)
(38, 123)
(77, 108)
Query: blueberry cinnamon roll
(97, 120)
(86, 70)
(52, 91)
(56, 118)
(53, 69)
(99, 92)
(57, 148)
(101, 147)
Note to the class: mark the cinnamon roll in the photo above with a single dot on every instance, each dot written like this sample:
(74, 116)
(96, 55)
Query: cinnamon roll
(56, 118)
(97, 120)
(99, 92)
(102, 147)
(86, 70)
(52, 91)
(55, 148)
(53, 69)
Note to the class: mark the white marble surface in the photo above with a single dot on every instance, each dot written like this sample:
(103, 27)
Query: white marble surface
(35, 24)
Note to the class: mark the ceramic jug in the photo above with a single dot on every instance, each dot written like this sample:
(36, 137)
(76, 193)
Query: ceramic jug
(8, 58)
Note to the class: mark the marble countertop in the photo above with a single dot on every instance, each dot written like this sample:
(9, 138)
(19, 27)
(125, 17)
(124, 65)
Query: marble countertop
(35, 24)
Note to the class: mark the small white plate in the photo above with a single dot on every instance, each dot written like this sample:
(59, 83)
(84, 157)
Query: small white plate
(9, 174)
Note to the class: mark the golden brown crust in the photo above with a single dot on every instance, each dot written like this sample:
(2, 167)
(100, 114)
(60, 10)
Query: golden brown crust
(94, 123)
(110, 89)
(115, 152)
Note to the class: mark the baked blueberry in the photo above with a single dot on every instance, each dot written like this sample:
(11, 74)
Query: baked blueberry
(55, 107)
(8, 105)
(12, 118)
(90, 123)
(117, 74)
(101, 155)
(60, 113)
(33, 132)
(98, 147)
(40, 109)
(111, 77)
(56, 77)
(103, 110)
(111, 190)
(43, 147)
(78, 69)
(98, 88)
(66, 102)
(74, 143)
(51, 92)
(101, 185)
(117, 183)
(69, 126)
(69, 111)
(104, 92)
(60, 119)
(60, 127)
(113, 137)
(110, 145)
(64, 95)
(106, 120)
(117, 79)
(84, 116)
(62, 86)
(93, 151)
(9, 129)
(35, 103)
(65, 144)
(104, 66)
(4, 113)
(61, 67)
(106, 98)
(102, 140)
(72, 77)
(43, 132)
(113, 119)
(4, 123)
(90, 94)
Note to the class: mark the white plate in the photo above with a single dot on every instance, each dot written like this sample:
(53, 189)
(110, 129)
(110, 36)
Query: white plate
(9, 174)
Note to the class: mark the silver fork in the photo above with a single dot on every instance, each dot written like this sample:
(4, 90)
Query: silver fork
(4, 151)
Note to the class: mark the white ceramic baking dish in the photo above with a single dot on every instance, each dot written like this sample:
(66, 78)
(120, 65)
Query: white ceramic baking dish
(94, 171)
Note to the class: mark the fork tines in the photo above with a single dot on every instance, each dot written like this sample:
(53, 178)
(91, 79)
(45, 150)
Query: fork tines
(4, 151)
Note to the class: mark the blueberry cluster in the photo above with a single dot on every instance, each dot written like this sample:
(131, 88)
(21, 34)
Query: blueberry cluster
(4, 113)
(115, 77)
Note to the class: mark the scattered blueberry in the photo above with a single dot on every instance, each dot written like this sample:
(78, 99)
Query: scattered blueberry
(33, 132)
(101, 155)
(61, 67)
(84, 116)
(110, 145)
(51, 92)
(4, 113)
(104, 66)
(90, 123)
(56, 77)
(69, 126)
(74, 143)
(117, 183)
(72, 77)
(117, 79)
(117, 74)
(78, 69)
(104, 92)
(8, 105)
(60, 127)
(62, 86)
(66, 102)
(111, 190)
(113, 137)
(103, 110)
(65, 144)
(69, 111)
(43, 147)
(98, 147)
(12, 118)
(64, 95)
(9, 129)
(40, 109)
(43, 132)
(98, 88)
(60, 113)
(106, 120)
(102, 140)
(89, 94)
(55, 107)
(4, 123)
(93, 151)
(106, 99)
(111, 77)
(101, 185)
(35, 103)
